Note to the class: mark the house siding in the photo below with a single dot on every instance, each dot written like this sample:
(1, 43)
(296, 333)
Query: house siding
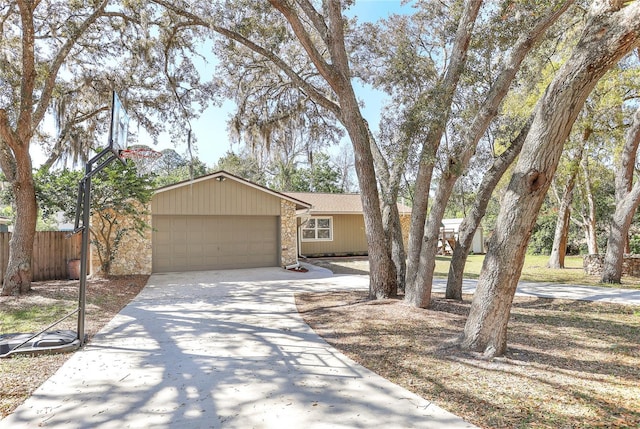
(349, 237)
(213, 197)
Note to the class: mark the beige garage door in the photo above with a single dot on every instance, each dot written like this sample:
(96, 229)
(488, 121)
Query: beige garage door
(193, 243)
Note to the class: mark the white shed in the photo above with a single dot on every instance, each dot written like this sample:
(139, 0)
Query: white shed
(453, 226)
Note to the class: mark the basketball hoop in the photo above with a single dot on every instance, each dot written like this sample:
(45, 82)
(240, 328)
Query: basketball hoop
(144, 158)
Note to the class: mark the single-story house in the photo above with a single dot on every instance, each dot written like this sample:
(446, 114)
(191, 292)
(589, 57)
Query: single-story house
(334, 226)
(221, 221)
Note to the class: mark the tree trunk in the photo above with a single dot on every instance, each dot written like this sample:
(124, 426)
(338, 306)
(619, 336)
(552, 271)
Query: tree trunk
(607, 37)
(626, 204)
(420, 288)
(441, 98)
(559, 248)
(620, 222)
(393, 229)
(389, 182)
(589, 213)
(18, 276)
(382, 273)
(471, 222)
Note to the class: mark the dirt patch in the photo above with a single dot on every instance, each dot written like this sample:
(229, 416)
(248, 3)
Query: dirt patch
(570, 364)
(21, 375)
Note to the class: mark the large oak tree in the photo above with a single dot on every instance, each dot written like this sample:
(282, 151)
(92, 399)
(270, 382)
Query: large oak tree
(63, 59)
(318, 29)
(612, 30)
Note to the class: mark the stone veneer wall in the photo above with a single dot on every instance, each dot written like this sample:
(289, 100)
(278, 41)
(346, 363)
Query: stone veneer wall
(405, 225)
(593, 264)
(134, 254)
(288, 233)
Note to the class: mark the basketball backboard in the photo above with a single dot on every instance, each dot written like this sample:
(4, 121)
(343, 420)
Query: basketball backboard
(119, 126)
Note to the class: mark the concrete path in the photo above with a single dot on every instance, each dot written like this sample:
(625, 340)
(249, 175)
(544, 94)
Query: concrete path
(222, 350)
(558, 291)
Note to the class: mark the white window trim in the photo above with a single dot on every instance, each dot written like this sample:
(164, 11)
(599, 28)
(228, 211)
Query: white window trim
(316, 218)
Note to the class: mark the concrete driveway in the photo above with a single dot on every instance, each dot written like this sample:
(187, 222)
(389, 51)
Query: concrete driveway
(223, 349)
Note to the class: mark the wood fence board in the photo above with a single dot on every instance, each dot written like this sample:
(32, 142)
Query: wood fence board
(52, 250)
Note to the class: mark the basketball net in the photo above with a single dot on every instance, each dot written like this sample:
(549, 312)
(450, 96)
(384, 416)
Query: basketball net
(145, 159)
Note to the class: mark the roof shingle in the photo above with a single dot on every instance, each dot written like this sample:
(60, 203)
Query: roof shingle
(336, 203)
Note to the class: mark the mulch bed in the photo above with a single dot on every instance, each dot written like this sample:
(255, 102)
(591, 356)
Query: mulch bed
(569, 364)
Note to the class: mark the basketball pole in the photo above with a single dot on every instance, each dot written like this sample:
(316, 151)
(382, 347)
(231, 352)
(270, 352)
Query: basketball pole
(84, 204)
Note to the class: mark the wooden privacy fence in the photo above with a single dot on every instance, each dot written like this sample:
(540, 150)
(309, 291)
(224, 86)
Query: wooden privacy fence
(52, 250)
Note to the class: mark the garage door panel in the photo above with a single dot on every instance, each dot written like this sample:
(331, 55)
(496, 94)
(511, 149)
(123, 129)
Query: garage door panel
(187, 243)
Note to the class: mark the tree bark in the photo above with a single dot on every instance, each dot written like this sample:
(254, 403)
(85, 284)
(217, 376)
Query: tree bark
(389, 182)
(559, 247)
(382, 272)
(626, 205)
(620, 222)
(471, 222)
(17, 280)
(610, 33)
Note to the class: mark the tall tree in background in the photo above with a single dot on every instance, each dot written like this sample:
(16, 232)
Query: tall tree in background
(243, 165)
(588, 207)
(565, 200)
(612, 30)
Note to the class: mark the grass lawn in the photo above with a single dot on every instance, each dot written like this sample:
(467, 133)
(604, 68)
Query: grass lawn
(535, 270)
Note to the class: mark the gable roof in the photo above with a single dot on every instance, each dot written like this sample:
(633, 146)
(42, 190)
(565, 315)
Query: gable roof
(300, 204)
(336, 203)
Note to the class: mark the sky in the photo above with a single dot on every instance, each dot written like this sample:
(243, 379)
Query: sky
(211, 128)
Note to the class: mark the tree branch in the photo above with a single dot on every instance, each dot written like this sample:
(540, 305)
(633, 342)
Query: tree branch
(326, 70)
(304, 86)
(59, 60)
(316, 19)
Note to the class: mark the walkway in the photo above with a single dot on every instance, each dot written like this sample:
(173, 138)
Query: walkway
(559, 291)
(222, 350)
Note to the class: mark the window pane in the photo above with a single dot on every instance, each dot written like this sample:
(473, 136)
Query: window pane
(323, 223)
(311, 224)
(308, 233)
(324, 233)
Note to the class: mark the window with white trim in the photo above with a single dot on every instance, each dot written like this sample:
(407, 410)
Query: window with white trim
(318, 229)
